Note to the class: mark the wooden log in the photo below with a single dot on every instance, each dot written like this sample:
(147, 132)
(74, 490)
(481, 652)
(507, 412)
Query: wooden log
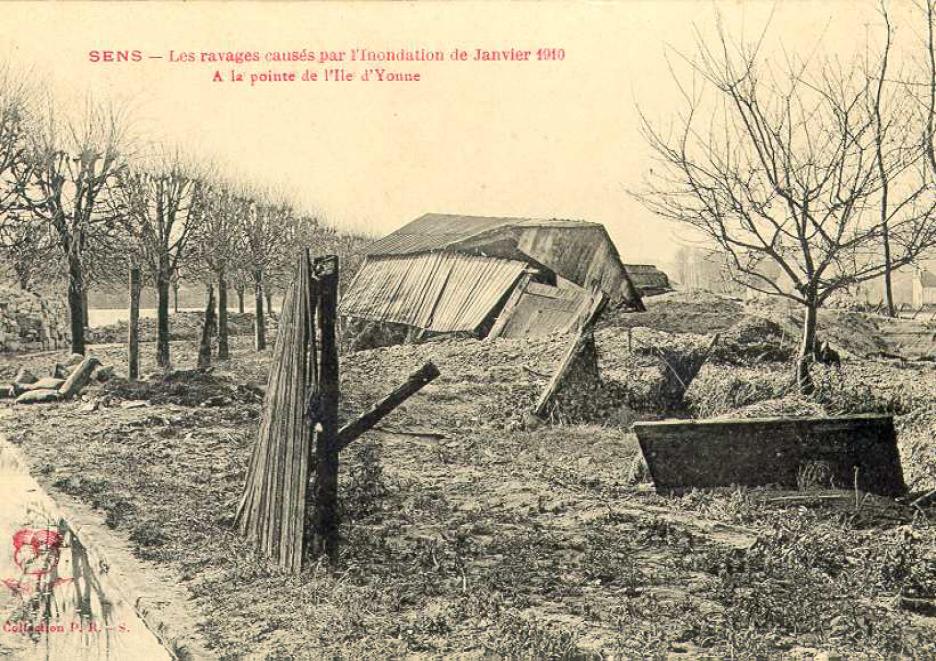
(413, 384)
(683, 455)
(325, 527)
(133, 332)
(79, 378)
(208, 330)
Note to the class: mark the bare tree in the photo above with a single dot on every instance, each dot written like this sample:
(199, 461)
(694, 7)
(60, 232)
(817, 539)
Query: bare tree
(160, 205)
(781, 165)
(15, 97)
(62, 181)
(215, 243)
(263, 223)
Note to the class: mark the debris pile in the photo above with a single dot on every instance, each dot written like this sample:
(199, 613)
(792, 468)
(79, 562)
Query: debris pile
(183, 388)
(484, 384)
(31, 321)
(65, 382)
(651, 370)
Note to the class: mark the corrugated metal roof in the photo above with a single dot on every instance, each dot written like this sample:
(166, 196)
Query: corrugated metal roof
(441, 292)
(435, 231)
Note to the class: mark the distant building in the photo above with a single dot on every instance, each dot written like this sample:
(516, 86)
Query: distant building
(924, 288)
(443, 274)
(648, 279)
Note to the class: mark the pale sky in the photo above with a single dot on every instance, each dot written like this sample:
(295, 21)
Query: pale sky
(513, 139)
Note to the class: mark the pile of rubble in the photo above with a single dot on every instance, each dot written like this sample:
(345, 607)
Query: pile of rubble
(65, 381)
(30, 321)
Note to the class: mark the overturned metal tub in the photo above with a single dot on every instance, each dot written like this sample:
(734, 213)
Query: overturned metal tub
(857, 451)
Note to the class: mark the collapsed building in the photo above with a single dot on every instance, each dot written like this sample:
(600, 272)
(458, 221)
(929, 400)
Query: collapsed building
(480, 276)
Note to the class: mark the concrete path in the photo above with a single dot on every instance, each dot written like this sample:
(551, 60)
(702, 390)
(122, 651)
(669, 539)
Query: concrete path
(55, 603)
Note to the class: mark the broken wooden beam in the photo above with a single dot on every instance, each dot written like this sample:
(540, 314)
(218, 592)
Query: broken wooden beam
(413, 384)
(568, 360)
(835, 452)
(79, 378)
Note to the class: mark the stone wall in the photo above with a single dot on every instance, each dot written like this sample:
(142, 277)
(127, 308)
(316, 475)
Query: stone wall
(31, 322)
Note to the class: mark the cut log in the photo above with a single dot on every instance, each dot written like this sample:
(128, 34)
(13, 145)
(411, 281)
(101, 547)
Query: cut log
(38, 396)
(381, 409)
(45, 383)
(79, 378)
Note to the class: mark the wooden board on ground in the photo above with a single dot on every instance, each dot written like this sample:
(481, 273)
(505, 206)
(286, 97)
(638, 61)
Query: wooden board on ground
(837, 452)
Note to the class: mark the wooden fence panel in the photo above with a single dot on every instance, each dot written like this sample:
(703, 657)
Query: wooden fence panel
(272, 509)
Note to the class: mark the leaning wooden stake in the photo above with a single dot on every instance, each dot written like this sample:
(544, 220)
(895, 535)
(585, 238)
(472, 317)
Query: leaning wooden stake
(381, 409)
(133, 338)
(568, 360)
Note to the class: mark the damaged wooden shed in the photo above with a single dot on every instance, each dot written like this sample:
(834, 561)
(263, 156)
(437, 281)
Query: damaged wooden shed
(475, 276)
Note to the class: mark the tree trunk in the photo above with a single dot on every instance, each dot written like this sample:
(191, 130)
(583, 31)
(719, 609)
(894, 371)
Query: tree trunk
(133, 338)
(208, 329)
(259, 329)
(223, 352)
(807, 351)
(888, 288)
(175, 296)
(85, 307)
(240, 299)
(269, 301)
(76, 304)
(163, 282)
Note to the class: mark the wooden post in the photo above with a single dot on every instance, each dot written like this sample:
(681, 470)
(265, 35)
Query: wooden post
(325, 533)
(133, 339)
(208, 327)
(410, 387)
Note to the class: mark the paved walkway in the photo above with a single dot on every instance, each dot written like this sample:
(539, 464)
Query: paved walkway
(54, 603)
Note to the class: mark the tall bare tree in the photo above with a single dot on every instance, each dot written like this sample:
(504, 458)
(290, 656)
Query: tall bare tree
(161, 202)
(215, 243)
(62, 181)
(780, 164)
(263, 222)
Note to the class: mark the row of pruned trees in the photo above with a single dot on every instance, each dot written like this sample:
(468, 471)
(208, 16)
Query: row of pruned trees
(81, 201)
(822, 168)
